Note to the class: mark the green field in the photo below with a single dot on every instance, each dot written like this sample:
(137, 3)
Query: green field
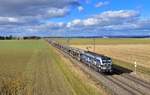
(36, 68)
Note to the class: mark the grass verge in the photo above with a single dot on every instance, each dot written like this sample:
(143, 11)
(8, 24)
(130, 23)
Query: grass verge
(130, 66)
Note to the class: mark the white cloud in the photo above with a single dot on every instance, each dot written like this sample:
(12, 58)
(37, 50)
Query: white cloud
(80, 8)
(119, 14)
(8, 20)
(54, 12)
(126, 26)
(33, 11)
(107, 18)
(54, 25)
(101, 4)
(114, 21)
(75, 22)
(12, 19)
(86, 22)
(90, 21)
(32, 7)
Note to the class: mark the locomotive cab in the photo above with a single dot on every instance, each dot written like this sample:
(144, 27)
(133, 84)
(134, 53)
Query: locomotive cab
(103, 64)
(107, 63)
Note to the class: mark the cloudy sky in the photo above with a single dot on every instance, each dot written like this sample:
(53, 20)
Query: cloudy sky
(74, 17)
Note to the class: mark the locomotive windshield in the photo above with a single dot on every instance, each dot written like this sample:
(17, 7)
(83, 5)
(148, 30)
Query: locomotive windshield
(97, 60)
(106, 60)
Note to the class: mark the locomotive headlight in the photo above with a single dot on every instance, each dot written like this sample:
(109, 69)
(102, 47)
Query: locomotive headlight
(94, 63)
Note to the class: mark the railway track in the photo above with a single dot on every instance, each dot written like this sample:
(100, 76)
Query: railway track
(116, 83)
(133, 82)
(143, 83)
(121, 85)
(133, 90)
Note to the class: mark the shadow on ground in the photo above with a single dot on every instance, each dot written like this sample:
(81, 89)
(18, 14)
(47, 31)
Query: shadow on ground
(118, 70)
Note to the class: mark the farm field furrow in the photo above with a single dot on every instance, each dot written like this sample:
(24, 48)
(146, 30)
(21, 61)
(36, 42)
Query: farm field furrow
(36, 68)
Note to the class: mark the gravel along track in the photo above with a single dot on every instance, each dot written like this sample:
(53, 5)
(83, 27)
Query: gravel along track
(135, 79)
(123, 84)
(133, 88)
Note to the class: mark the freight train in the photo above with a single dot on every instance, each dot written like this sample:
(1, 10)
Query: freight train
(99, 62)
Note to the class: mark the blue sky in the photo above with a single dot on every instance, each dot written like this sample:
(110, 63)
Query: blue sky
(74, 17)
(89, 9)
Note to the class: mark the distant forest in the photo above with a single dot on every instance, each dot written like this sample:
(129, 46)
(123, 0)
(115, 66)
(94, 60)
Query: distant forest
(18, 38)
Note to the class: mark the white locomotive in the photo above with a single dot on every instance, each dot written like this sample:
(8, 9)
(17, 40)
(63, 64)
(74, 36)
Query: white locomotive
(99, 62)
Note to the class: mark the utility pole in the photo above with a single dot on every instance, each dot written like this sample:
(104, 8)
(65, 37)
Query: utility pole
(68, 38)
(68, 41)
(135, 66)
(93, 44)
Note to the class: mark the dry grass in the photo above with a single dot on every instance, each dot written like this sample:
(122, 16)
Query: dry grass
(12, 87)
(128, 53)
(100, 41)
(35, 68)
(84, 77)
(125, 55)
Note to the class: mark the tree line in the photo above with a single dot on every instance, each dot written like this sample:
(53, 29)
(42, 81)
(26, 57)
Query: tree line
(18, 38)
